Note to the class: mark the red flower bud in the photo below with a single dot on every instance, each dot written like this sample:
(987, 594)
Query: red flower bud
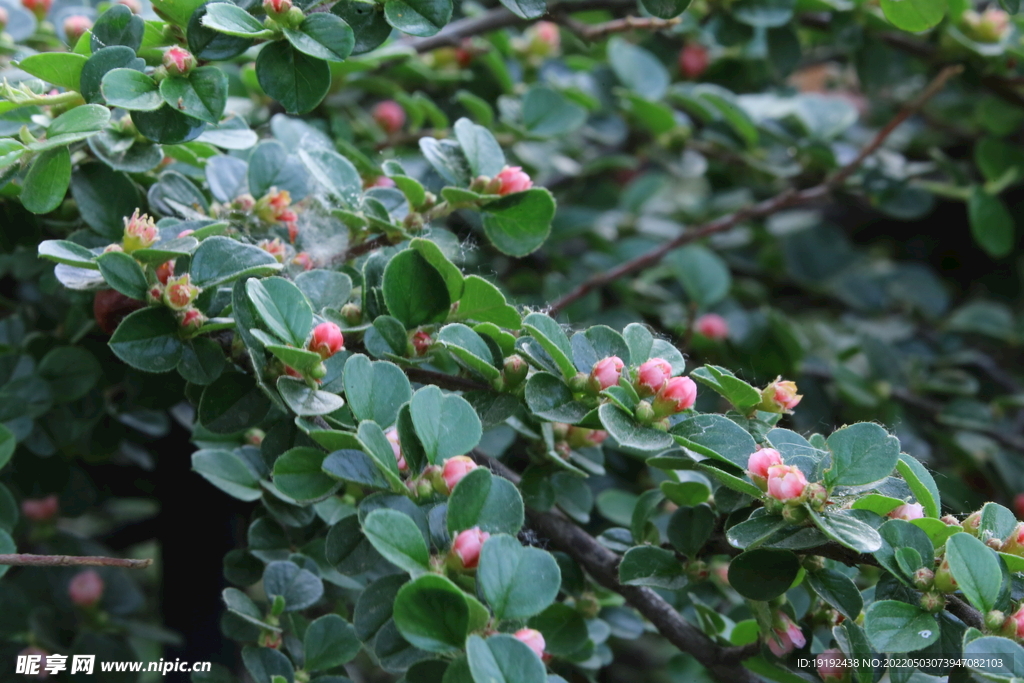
(421, 342)
(389, 115)
(41, 509)
(908, 511)
(86, 588)
(693, 60)
(652, 375)
(467, 545)
(712, 326)
(192, 319)
(327, 340)
(532, 639)
(75, 27)
(780, 396)
(831, 666)
(276, 7)
(164, 271)
(37, 7)
(677, 394)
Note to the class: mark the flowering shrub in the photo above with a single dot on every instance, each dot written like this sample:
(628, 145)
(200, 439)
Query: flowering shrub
(484, 439)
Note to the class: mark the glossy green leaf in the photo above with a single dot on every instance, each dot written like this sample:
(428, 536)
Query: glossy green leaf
(296, 80)
(519, 223)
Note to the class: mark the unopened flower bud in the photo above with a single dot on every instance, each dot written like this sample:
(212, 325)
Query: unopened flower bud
(388, 114)
(164, 272)
(396, 448)
(41, 509)
(466, 548)
(254, 436)
(786, 482)
(581, 437)
(179, 61)
(779, 397)
(712, 326)
(944, 581)
(605, 373)
(907, 512)
(421, 342)
(86, 588)
(579, 382)
(275, 8)
(1013, 627)
(512, 179)
(644, 413)
(514, 371)
(758, 464)
(693, 60)
(191, 319)
(932, 601)
(37, 7)
(4, 18)
(651, 376)
(75, 27)
(816, 495)
(949, 520)
(352, 314)
(532, 639)
(1014, 544)
(455, 469)
(697, 571)
(831, 666)
(180, 292)
(923, 578)
(972, 523)
(677, 394)
(994, 620)
(326, 340)
(794, 514)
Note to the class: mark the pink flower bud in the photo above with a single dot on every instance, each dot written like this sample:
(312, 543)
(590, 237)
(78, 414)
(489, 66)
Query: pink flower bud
(780, 396)
(327, 340)
(581, 437)
(421, 342)
(396, 448)
(192, 319)
(972, 523)
(548, 32)
(760, 461)
(533, 639)
(513, 179)
(1016, 621)
(467, 546)
(140, 232)
(274, 247)
(244, 202)
(606, 372)
(75, 26)
(389, 115)
(180, 292)
(908, 511)
(693, 60)
(37, 7)
(785, 636)
(379, 181)
(4, 18)
(185, 233)
(712, 326)
(178, 61)
(455, 469)
(786, 482)
(134, 5)
(652, 375)
(275, 7)
(86, 588)
(164, 272)
(678, 394)
(41, 509)
(831, 665)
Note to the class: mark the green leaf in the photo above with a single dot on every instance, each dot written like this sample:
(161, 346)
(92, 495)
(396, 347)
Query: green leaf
(996, 522)
(647, 565)
(552, 338)
(481, 149)
(306, 401)
(298, 474)
(299, 587)
(72, 126)
(526, 9)
(219, 260)
(418, 17)
(895, 534)
(232, 403)
(11, 151)
(239, 604)
(414, 291)
(232, 20)
(70, 253)
(483, 302)
(377, 446)
(335, 173)
(202, 95)
(7, 445)
(296, 80)
(63, 69)
(861, 454)
(450, 273)
(322, 35)
(637, 69)
(689, 528)
(732, 388)
(300, 359)
(517, 224)
(367, 21)
(547, 396)
(47, 181)
(503, 659)
(516, 581)
(375, 390)
(266, 665)
(716, 437)
(548, 113)
(7, 546)
(470, 348)
(764, 13)
(995, 658)
(104, 197)
(117, 26)
(976, 569)
(921, 483)
(124, 274)
(325, 288)
(431, 613)
(483, 500)
(564, 629)
(848, 531)
(167, 125)
(202, 361)
(991, 223)
(100, 63)
(283, 308)
(395, 536)
(703, 274)
(914, 15)
(148, 340)
(896, 627)
(228, 472)
(329, 642)
(763, 574)
(177, 11)
(629, 433)
(665, 9)
(356, 467)
(838, 590)
(447, 425)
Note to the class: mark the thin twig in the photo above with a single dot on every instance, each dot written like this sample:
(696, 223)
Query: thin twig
(787, 199)
(724, 663)
(592, 32)
(445, 381)
(22, 560)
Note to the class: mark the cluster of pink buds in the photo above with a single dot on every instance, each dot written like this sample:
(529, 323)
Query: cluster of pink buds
(758, 464)
(389, 115)
(780, 397)
(326, 340)
(41, 509)
(275, 206)
(465, 552)
(712, 326)
(179, 61)
(671, 394)
(86, 589)
(785, 636)
(140, 232)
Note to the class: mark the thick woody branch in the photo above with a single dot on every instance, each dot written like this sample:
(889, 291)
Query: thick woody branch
(724, 663)
(785, 200)
(20, 560)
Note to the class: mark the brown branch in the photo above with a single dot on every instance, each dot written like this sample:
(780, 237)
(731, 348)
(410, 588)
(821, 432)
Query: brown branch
(21, 560)
(445, 381)
(784, 200)
(454, 33)
(592, 32)
(724, 663)
(362, 248)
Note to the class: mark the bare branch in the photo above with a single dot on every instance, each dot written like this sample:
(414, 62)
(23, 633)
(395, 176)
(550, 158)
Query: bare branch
(779, 202)
(21, 560)
(592, 32)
